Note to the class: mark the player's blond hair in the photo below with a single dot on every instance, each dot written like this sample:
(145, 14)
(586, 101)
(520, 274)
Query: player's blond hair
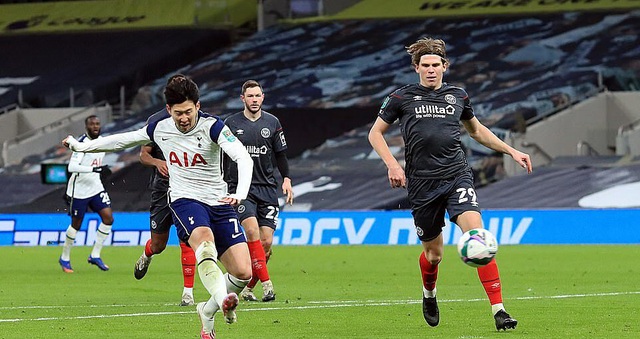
(427, 46)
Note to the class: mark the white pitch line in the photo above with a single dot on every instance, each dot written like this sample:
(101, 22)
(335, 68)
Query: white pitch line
(314, 305)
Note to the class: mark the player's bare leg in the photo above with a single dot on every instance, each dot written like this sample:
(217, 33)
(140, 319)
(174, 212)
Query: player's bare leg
(155, 245)
(258, 260)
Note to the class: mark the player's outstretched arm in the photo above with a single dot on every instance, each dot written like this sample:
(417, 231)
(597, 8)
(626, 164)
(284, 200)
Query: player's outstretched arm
(112, 143)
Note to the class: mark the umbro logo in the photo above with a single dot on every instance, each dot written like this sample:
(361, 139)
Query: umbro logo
(240, 132)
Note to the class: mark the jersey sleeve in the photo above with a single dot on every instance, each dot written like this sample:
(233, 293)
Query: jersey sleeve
(231, 146)
(75, 164)
(390, 109)
(112, 143)
(279, 142)
(467, 110)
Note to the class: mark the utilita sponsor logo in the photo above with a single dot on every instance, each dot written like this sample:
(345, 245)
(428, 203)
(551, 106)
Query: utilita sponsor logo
(255, 151)
(433, 109)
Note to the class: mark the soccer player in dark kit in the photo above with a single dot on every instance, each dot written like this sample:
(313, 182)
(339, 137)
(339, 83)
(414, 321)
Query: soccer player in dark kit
(262, 135)
(437, 175)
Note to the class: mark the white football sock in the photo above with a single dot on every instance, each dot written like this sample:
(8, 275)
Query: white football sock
(496, 307)
(69, 239)
(234, 284)
(428, 294)
(101, 236)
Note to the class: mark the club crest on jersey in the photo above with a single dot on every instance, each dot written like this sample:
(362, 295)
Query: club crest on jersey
(265, 132)
(450, 99)
(187, 160)
(229, 136)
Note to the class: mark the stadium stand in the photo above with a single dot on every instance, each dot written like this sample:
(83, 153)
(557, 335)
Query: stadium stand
(44, 67)
(518, 70)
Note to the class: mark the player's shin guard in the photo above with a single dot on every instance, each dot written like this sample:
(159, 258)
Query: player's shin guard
(101, 236)
(490, 279)
(188, 264)
(429, 273)
(258, 260)
(234, 284)
(211, 277)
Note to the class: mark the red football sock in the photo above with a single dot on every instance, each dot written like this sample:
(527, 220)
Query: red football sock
(188, 264)
(490, 279)
(147, 249)
(258, 260)
(429, 273)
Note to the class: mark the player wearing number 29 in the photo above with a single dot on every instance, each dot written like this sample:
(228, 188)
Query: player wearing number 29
(192, 142)
(437, 175)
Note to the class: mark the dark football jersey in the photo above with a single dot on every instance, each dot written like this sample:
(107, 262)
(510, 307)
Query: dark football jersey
(158, 182)
(262, 139)
(430, 126)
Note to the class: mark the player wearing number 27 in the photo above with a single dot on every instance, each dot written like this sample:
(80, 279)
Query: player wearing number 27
(262, 135)
(436, 174)
(192, 142)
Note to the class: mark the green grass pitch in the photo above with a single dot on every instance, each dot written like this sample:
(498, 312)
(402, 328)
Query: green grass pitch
(327, 292)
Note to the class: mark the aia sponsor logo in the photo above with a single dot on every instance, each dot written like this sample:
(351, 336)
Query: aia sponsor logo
(186, 160)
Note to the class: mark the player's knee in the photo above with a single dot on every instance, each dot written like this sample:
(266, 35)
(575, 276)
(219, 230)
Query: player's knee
(206, 250)
(433, 257)
(244, 275)
(266, 244)
(435, 261)
(107, 220)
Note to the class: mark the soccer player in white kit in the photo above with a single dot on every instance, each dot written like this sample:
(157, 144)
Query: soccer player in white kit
(192, 142)
(85, 190)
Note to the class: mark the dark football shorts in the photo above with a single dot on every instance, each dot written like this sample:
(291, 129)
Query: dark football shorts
(430, 198)
(261, 203)
(98, 202)
(221, 219)
(160, 219)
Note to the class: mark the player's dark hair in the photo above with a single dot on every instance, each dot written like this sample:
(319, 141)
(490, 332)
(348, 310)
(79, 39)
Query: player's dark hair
(180, 89)
(250, 84)
(86, 120)
(427, 46)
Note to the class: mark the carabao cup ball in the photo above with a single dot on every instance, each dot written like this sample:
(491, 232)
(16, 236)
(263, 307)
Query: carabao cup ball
(477, 247)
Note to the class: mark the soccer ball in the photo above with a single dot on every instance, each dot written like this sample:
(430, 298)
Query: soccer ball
(477, 247)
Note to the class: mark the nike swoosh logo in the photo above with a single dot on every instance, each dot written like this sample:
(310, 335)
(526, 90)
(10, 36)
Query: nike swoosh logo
(236, 235)
(164, 139)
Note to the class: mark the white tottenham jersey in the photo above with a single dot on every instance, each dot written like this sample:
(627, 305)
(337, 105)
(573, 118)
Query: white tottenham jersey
(84, 182)
(193, 158)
